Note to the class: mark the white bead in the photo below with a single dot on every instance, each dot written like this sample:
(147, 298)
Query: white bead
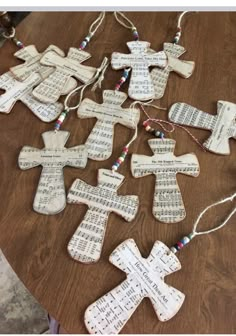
(114, 167)
(173, 249)
(186, 240)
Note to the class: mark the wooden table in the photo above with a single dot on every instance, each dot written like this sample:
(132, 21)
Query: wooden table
(35, 245)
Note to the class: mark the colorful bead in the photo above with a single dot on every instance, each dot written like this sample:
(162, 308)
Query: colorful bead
(173, 249)
(135, 34)
(121, 158)
(182, 242)
(122, 80)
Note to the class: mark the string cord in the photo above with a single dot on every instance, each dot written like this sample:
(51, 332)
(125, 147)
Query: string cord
(99, 76)
(197, 233)
(160, 122)
(97, 23)
(180, 19)
(130, 26)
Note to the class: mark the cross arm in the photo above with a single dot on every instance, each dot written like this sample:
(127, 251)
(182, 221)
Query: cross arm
(29, 157)
(174, 50)
(187, 164)
(88, 109)
(27, 53)
(130, 118)
(76, 156)
(123, 254)
(141, 165)
(120, 61)
(78, 55)
(125, 206)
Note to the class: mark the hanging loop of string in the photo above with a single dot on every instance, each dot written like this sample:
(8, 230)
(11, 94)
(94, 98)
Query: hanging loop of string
(92, 30)
(230, 198)
(130, 24)
(179, 28)
(185, 240)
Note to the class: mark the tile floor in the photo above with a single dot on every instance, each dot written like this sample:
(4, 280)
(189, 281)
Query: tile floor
(20, 313)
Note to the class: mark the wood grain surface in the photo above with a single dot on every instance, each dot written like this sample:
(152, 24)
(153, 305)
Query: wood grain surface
(35, 245)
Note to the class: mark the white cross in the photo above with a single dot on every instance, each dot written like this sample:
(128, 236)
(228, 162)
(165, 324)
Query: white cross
(181, 67)
(222, 125)
(22, 91)
(145, 278)
(52, 87)
(140, 59)
(50, 196)
(86, 243)
(32, 64)
(168, 205)
(100, 141)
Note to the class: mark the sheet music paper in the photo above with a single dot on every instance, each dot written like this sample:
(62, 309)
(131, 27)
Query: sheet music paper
(32, 57)
(50, 90)
(183, 68)
(50, 197)
(100, 141)
(22, 91)
(222, 125)
(140, 86)
(145, 278)
(168, 206)
(87, 241)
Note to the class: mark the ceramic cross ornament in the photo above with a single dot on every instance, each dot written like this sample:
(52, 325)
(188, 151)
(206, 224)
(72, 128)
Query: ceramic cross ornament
(22, 91)
(50, 196)
(222, 125)
(100, 141)
(139, 60)
(52, 87)
(86, 244)
(182, 68)
(145, 278)
(168, 206)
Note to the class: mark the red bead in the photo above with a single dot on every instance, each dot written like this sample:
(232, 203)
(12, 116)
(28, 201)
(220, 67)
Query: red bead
(59, 122)
(180, 244)
(125, 149)
(145, 123)
(119, 161)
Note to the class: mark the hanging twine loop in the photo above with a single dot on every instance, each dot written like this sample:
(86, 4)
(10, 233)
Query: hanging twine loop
(92, 30)
(127, 23)
(185, 240)
(179, 28)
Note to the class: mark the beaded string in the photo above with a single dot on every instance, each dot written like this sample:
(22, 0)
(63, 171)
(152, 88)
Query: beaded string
(185, 240)
(124, 152)
(179, 29)
(161, 123)
(135, 34)
(97, 23)
(99, 75)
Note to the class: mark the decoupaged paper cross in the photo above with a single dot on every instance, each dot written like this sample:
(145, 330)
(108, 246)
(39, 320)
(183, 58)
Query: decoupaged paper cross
(222, 125)
(52, 87)
(50, 196)
(168, 206)
(140, 59)
(22, 91)
(183, 68)
(87, 241)
(32, 64)
(100, 141)
(145, 278)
